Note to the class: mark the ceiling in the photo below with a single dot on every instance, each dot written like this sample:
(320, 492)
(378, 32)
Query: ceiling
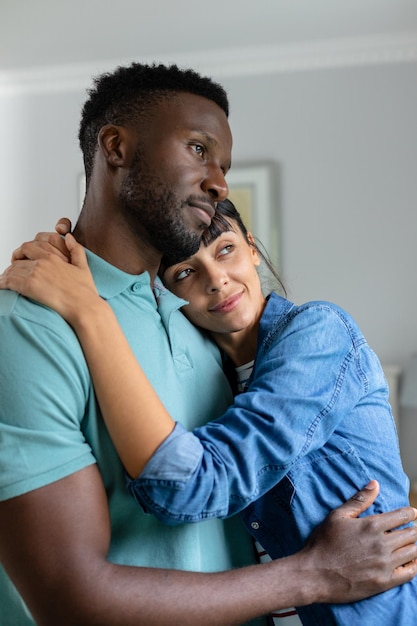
(36, 33)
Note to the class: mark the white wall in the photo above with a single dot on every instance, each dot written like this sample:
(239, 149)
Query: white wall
(39, 164)
(344, 142)
(345, 145)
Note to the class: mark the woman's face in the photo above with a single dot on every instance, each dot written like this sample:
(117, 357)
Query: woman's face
(221, 284)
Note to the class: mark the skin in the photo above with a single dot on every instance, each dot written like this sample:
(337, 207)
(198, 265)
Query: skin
(223, 289)
(188, 143)
(62, 531)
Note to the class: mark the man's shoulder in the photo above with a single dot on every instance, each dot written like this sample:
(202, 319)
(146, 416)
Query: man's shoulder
(8, 300)
(23, 319)
(38, 345)
(13, 304)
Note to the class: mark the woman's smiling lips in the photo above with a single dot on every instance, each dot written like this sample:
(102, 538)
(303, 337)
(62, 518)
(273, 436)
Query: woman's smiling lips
(227, 305)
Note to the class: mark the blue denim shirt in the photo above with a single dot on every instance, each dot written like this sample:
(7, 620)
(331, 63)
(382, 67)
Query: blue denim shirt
(313, 427)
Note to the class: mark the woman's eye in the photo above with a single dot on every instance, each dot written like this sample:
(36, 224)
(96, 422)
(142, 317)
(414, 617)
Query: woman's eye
(183, 274)
(226, 250)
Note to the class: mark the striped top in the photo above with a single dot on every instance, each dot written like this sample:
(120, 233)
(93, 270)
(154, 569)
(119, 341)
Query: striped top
(281, 617)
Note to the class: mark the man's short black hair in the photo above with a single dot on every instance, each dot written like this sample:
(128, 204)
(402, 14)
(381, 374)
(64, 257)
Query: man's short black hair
(121, 96)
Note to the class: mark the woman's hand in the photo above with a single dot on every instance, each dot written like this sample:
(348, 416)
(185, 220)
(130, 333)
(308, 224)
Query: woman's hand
(46, 243)
(60, 280)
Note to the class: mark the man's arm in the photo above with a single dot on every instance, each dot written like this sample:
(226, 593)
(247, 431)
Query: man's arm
(54, 542)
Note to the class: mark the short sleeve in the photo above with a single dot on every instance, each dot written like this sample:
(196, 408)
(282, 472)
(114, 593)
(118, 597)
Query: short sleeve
(44, 389)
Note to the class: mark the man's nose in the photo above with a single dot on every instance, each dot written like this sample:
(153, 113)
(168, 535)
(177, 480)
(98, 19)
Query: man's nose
(215, 183)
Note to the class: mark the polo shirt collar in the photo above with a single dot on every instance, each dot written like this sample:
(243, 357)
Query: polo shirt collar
(110, 280)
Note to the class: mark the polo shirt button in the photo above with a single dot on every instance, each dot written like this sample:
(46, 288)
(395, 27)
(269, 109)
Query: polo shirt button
(255, 525)
(136, 287)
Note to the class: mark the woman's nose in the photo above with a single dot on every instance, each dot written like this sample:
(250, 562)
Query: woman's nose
(216, 280)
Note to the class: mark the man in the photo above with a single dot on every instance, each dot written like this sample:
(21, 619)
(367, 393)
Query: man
(76, 548)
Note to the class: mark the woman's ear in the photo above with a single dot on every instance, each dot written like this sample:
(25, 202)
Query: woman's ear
(254, 249)
(115, 146)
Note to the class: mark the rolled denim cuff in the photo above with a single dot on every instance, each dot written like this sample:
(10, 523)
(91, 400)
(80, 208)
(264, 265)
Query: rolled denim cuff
(176, 458)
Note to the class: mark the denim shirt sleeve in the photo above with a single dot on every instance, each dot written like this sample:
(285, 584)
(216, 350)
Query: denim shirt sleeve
(310, 371)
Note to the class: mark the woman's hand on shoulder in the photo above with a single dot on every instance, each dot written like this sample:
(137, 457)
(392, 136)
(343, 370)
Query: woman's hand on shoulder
(60, 280)
(45, 244)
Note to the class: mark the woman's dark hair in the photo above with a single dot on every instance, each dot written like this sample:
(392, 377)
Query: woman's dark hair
(226, 211)
(130, 93)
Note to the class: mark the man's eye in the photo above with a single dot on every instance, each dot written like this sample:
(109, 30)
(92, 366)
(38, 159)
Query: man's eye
(199, 149)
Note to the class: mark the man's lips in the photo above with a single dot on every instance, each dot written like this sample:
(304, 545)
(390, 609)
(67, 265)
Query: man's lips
(225, 306)
(203, 210)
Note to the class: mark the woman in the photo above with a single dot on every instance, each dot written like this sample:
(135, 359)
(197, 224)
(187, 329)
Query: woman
(313, 425)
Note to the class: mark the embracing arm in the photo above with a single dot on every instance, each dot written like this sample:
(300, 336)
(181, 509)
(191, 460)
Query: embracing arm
(135, 417)
(214, 457)
(138, 422)
(62, 532)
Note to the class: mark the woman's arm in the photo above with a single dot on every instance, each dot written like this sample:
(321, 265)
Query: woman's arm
(135, 417)
(292, 407)
(315, 374)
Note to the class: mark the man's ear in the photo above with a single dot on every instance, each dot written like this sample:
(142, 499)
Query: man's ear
(115, 146)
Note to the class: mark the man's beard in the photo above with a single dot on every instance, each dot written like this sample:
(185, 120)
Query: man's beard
(154, 211)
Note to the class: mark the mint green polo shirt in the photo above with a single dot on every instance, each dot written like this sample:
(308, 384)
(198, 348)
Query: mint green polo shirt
(50, 423)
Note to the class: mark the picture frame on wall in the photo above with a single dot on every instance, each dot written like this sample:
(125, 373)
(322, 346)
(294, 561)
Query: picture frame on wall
(252, 191)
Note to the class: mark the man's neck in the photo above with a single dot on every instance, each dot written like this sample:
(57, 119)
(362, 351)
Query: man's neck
(113, 241)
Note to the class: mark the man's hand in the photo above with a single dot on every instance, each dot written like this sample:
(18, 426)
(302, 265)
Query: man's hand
(45, 244)
(358, 557)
